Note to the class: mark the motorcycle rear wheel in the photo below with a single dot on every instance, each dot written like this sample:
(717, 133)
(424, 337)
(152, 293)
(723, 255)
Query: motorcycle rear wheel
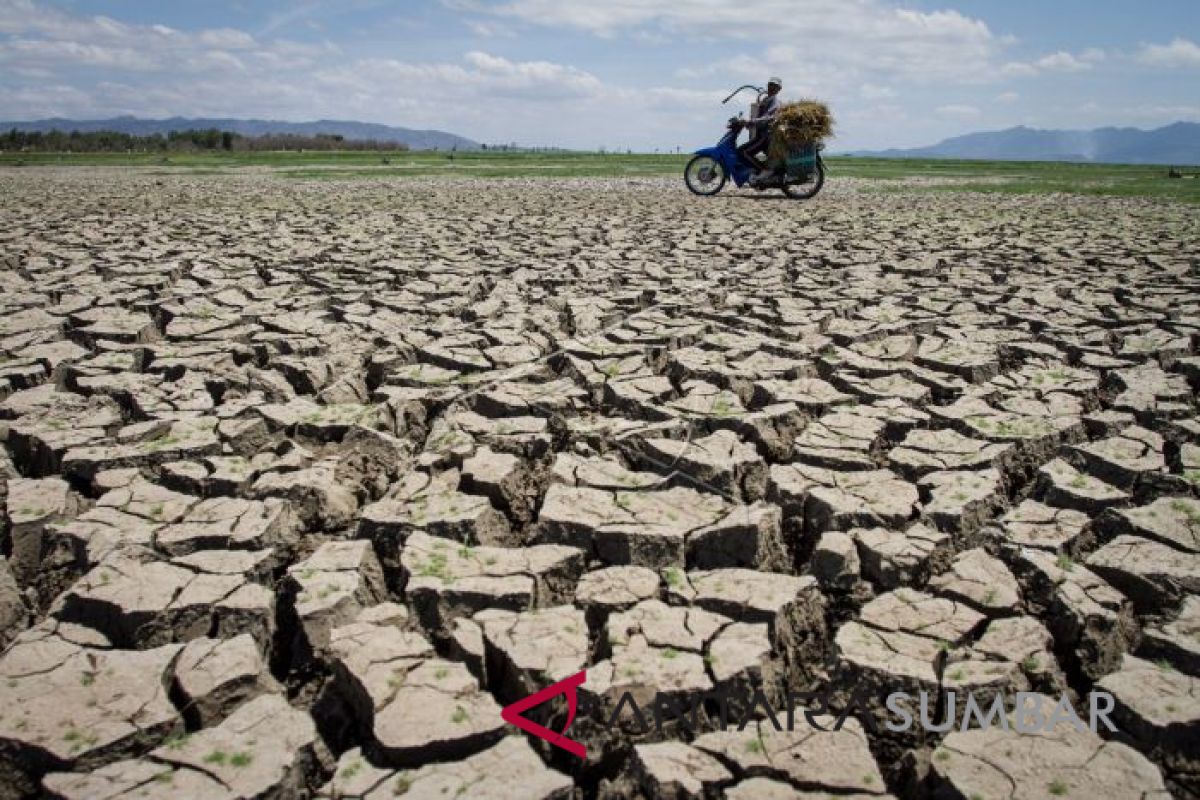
(705, 176)
(809, 188)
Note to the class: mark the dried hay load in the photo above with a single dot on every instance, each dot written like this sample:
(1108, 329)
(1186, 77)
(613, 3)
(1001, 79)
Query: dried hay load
(803, 123)
(798, 126)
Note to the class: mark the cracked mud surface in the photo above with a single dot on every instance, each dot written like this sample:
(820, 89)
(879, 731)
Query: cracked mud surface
(303, 482)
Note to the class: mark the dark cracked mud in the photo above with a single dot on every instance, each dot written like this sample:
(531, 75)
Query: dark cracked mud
(304, 482)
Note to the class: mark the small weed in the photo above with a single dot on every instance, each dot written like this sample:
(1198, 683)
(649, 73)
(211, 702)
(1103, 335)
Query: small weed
(1056, 788)
(1064, 562)
(240, 760)
(460, 715)
(217, 757)
(670, 652)
(754, 746)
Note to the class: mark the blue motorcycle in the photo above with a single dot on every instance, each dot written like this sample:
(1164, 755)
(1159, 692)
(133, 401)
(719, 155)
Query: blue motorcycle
(800, 177)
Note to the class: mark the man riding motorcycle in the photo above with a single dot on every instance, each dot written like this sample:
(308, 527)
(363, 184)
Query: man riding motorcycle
(760, 129)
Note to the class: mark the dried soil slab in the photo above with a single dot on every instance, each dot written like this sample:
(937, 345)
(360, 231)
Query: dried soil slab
(600, 472)
(644, 528)
(832, 500)
(1061, 485)
(506, 480)
(924, 451)
(184, 440)
(1034, 524)
(980, 580)
(1155, 576)
(514, 399)
(446, 580)
(893, 558)
(412, 706)
(922, 614)
(135, 778)
(679, 652)
(433, 506)
(974, 361)
(792, 606)
(215, 676)
(230, 523)
(1041, 377)
(1178, 641)
(317, 494)
(1160, 708)
(768, 789)
(1064, 762)
(493, 774)
(1150, 393)
(1126, 460)
(13, 612)
(1173, 521)
(961, 502)
(841, 441)
(74, 702)
(811, 395)
(31, 506)
(617, 588)
(527, 437)
(528, 649)
(829, 761)
(886, 387)
(332, 586)
(835, 561)
(676, 770)
(722, 461)
(138, 601)
(266, 748)
(1089, 618)
(46, 423)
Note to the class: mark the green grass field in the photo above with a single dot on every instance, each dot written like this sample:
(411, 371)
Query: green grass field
(932, 174)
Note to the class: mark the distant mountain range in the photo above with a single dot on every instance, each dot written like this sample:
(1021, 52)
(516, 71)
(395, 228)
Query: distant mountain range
(1178, 143)
(415, 139)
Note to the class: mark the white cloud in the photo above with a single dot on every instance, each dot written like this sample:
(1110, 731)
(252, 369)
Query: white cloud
(1060, 61)
(862, 35)
(1007, 97)
(1179, 53)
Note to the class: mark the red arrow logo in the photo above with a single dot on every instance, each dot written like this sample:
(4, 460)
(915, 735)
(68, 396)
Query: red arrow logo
(567, 686)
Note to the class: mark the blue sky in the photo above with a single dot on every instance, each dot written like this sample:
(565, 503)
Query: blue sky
(642, 74)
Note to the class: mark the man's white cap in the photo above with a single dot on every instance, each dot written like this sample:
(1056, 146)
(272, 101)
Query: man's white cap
(775, 81)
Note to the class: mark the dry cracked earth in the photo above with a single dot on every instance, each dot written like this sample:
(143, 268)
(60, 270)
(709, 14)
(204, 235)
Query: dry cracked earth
(303, 482)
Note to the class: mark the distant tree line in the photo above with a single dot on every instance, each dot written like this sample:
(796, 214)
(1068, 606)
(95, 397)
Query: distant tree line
(56, 141)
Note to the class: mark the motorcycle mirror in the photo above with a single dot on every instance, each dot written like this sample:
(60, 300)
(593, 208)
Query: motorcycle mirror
(740, 89)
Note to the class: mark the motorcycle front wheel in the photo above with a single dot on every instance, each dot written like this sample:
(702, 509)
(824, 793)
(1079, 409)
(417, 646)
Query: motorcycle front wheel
(808, 187)
(704, 176)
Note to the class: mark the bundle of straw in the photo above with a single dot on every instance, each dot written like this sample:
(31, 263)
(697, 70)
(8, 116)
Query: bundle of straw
(802, 123)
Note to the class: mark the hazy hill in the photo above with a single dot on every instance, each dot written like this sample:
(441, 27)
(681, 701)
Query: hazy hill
(1178, 143)
(415, 139)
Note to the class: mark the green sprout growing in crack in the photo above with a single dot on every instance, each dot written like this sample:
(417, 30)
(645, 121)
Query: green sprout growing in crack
(460, 715)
